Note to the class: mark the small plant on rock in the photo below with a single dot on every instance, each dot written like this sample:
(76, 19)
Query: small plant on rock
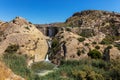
(94, 54)
(81, 39)
(97, 47)
(78, 52)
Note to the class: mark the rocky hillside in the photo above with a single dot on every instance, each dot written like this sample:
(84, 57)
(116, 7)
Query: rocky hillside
(98, 21)
(26, 36)
(7, 74)
(87, 31)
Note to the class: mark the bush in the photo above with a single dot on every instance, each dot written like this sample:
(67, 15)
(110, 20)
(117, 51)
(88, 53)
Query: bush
(86, 44)
(97, 47)
(68, 29)
(12, 48)
(109, 47)
(40, 66)
(85, 70)
(95, 54)
(17, 63)
(94, 42)
(78, 52)
(81, 39)
(107, 40)
(55, 43)
(27, 28)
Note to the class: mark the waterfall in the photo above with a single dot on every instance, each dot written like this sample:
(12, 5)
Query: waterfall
(50, 32)
(46, 59)
(49, 45)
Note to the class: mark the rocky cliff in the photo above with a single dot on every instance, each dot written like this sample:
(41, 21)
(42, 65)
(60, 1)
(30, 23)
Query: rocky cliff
(86, 31)
(29, 39)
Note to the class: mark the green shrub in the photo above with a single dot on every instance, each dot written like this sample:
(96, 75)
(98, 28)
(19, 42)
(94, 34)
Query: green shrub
(40, 66)
(94, 54)
(12, 48)
(97, 47)
(55, 43)
(107, 40)
(90, 69)
(94, 42)
(68, 29)
(115, 73)
(17, 63)
(27, 28)
(78, 52)
(81, 39)
(86, 44)
(87, 33)
(109, 47)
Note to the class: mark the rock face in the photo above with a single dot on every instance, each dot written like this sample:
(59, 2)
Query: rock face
(7, 74)
(30, 40)
(73, 45)
(102, 21)
(88, 30)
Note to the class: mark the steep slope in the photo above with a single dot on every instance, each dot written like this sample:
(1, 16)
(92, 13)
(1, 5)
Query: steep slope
(30, 40)
(7, 74)
(86, 31)
(99, 21)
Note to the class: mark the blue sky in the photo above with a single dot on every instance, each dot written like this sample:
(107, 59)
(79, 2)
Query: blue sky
(49, 11)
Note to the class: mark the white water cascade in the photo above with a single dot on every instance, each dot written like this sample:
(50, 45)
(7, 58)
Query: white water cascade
(46, 59)
(49, 45)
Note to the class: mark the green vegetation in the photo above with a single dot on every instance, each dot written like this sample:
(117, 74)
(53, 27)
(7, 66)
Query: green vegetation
(55, 48)
(68, 29)
(109, 40)
(105, 42)
(12, 48)
(85, 70)
(81, 39)
(90, 69)
(97, 47)
(55, 43)
(94, 42)
(94, 54)
(109, 47)
(87, 33)
(40, 66)
(27, 28)
(86, 44)
(17, 63)
(78, 52)
(118, 46)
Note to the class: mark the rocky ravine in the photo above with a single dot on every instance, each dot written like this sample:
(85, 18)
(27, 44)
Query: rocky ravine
(30, 40)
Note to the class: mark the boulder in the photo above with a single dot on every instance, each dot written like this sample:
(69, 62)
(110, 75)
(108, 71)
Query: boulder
(30, 40)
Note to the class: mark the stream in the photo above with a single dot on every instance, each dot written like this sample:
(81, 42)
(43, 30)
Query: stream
(46, 65)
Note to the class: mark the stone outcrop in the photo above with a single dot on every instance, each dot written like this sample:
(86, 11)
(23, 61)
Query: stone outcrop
(30, 40)
(73, 44)
(76, 49)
